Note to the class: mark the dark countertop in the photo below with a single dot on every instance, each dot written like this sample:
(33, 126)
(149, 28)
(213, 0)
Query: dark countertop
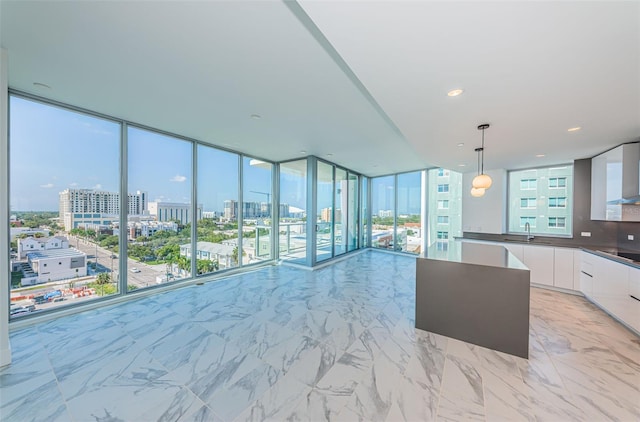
(560, 242)
(474, 253)
(612, 257)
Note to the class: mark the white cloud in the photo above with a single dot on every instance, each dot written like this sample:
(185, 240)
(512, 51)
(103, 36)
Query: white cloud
(178, 178)
(47, 186)
(98, 186)
(73, 184)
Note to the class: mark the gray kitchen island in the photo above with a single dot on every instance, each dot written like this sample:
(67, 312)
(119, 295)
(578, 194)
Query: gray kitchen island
(474, 292)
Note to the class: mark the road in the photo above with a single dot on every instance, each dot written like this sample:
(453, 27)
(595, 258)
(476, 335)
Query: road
(146, 276)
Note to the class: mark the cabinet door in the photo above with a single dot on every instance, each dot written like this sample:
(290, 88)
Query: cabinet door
(587, 273)
(539, 259)
(612, 278)
(633, 306)
(577, 253)
(515, 249)
(563, 268)
(634, 283)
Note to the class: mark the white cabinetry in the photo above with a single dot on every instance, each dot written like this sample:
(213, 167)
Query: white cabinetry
(634, 283)
(563, 268)
(586, 273)
(610, 284)
(540, 261)
(576, 269)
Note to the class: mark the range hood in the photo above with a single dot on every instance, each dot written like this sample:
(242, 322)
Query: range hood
(629, 156)
(615, 184)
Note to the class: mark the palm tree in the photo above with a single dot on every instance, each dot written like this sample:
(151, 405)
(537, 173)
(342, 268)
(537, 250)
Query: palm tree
(103, 278)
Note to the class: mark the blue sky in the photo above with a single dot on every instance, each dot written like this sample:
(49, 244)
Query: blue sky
(53, 149)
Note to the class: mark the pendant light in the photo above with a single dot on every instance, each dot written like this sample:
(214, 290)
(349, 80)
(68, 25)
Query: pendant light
(477, 192)
(481, 181)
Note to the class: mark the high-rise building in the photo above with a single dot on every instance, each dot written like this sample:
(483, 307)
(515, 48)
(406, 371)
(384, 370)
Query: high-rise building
(79, 207)
(251, 210)
(173, 211)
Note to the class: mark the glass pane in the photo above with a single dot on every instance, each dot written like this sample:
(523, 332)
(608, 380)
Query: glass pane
(64, 207)
(352, 213)
(324, 219)
(445, 206)
(409, 230)
(365, 212)
(547, 193)
(293, 217)
(256, 210)
(339, 215)
(217, 229)
(382, 212)
(159, 219)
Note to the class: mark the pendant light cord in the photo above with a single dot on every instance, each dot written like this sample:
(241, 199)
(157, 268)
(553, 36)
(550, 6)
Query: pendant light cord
(482, 151)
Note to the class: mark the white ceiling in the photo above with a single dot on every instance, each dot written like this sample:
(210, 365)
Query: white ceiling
(364, 81)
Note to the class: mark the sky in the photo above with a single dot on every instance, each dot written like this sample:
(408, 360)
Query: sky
(53, 149)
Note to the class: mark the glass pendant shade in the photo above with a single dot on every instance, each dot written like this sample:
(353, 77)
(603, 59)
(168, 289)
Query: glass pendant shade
(482, 181)
(477, 192)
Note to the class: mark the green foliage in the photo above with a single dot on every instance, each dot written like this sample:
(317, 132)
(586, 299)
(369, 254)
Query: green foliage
(205, 266)
(103, 278)
(37, 219)
(16, 276)
(109, 241)
(103, 289)
(139, 251)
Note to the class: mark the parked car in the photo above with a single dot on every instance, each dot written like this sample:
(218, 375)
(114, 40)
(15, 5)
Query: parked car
(135, 270)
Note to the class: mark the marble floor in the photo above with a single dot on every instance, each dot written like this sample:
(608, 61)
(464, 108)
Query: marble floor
(336, 344)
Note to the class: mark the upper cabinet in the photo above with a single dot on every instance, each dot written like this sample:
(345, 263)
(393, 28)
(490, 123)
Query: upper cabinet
(615, 184)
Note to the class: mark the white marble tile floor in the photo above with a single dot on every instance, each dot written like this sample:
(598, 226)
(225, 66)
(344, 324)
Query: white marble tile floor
(336, 344)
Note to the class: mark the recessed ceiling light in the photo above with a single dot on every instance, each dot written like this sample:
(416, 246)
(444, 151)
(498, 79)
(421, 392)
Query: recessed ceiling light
(461, 144)
(573, 129)
(256, 116)
(329, 155)
(455, 92)
(41, 85)
(539, 155)
(303, 152)
(462, 165)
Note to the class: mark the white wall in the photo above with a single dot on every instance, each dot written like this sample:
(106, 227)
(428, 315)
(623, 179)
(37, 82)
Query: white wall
(5, 273)
(486, 214)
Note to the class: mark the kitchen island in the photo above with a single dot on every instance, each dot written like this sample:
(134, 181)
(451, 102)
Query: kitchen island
(477, 293)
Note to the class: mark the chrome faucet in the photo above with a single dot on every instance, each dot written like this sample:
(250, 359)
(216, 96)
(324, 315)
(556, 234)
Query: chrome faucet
(527, 227)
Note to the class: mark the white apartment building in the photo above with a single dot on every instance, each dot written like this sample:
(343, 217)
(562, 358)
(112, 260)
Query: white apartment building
(167, 211)
(55, 264)
(35, 244)
(149, 228)
(80, 207)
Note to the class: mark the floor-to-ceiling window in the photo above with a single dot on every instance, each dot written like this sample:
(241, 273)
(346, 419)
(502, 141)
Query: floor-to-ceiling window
(353, 222)
(366, 228)
(159, 211)
(445, 206)
(324, 217)
(217, 226)
(257, 210)
(409, 231)
(64, 173)
(341, 208)
(293, 203)
(383, 206)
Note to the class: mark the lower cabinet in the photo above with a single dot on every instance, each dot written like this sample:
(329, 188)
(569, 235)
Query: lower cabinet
(611, 284)
(540, 261)
(563, 268)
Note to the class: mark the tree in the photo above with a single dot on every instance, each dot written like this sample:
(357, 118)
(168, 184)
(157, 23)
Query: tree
(205, 266)
(103, 278)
